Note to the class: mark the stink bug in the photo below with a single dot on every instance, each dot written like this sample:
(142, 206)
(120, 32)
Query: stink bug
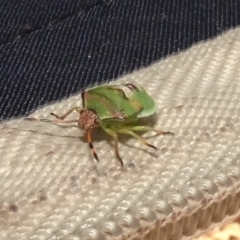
(115, 109)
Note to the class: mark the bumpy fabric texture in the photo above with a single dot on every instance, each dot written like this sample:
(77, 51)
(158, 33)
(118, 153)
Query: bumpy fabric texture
(52, 188)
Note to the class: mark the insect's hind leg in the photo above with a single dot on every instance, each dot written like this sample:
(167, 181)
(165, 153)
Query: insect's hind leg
(133, 134)
(67, 113)
(115, 137)
(147, 128)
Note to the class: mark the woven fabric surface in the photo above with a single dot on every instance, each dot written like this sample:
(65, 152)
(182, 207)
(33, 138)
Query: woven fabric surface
(52, 188)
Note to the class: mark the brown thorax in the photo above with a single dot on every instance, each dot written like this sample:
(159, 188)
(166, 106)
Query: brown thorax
(88, 119)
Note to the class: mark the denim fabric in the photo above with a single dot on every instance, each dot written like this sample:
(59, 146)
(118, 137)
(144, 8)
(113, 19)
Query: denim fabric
(51, 49)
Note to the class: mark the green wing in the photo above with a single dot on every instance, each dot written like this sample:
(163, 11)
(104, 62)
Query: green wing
(119, 101)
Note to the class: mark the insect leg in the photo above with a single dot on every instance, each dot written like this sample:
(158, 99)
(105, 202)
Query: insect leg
(67, 113)
(115, 137)
(89, 139)
(133, 134)
(147, 128)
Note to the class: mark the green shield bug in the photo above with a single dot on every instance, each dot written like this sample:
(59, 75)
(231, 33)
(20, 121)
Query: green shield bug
(114, 108)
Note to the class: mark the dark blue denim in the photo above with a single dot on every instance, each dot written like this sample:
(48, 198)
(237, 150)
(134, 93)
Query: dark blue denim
(52, 49)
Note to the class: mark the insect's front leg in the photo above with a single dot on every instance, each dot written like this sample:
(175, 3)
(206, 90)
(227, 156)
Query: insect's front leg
(67, 113)
(115, 137)
(89, 139)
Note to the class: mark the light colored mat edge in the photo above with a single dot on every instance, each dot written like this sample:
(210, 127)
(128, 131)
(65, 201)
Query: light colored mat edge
(228, 231)
(52, 189)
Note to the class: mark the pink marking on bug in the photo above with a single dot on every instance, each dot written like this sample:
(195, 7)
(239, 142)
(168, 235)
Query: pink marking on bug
(83, 99)
(131, 87)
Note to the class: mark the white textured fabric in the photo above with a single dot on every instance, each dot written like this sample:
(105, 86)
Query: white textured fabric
(51, 187)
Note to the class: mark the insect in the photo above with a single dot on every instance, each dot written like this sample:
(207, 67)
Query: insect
(114, 108)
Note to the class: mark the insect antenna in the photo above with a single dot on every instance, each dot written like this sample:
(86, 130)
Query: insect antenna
(77, 109)
(39, 119)
(49, 120)
(55, 115)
